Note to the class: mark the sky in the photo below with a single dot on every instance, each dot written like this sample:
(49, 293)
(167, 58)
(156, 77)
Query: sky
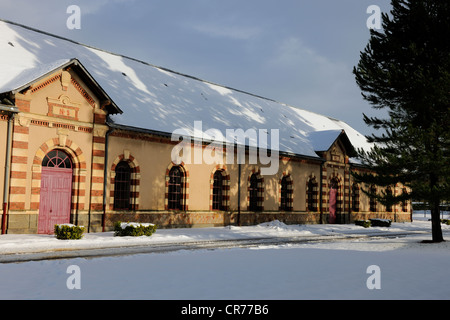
(298, 52)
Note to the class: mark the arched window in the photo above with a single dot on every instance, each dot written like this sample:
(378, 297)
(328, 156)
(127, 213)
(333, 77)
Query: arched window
(122, 186)
(176, 189)
(373, 200)
(286, 194)
(218, 191)
(311, 195)
(404, 202)
(57, 159)
(389, 199)
(355, 197)
(253, 193)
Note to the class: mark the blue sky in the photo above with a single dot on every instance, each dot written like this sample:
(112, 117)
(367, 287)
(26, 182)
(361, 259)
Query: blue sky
(300, 52)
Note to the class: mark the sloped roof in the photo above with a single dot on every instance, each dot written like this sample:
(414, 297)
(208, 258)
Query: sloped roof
(323, 140)
(31, 75)
(158, 99)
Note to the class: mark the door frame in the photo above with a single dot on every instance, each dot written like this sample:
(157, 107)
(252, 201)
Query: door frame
(53, 173)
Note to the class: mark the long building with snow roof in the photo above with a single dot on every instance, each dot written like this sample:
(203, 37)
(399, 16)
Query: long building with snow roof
(92, 137)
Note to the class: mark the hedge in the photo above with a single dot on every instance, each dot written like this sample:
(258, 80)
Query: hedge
(374, 223)
(69, 231)
(133, 229)
(380, 222)
(363, 223)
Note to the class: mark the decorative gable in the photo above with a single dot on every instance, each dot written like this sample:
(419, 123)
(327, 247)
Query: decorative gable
(332, 145)
(56, 84)
(336, 154)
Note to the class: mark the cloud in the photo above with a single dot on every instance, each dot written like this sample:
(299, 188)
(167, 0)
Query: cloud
(316, 82)
(229, 31)
(94, 7)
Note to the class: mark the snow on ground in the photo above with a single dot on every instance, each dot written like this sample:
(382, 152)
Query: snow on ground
(409, 269)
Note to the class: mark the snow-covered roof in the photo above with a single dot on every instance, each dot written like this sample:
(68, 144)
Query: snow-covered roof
(158, 99)
(322, 140)
(28, 76)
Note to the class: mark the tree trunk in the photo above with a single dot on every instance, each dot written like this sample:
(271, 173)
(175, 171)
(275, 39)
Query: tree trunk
(436, 230)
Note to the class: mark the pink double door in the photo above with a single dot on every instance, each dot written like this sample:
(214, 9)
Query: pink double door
(55, 198)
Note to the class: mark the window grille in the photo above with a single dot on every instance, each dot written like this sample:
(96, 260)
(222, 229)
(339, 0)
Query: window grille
(122, 186)
(312, 195)
(253, 193)
(355, 198)
(175, 192)
(57, 159)
(373, 200)
(286, 194)
(218, 193)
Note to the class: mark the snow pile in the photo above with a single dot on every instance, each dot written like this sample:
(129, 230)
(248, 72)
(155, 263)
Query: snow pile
(68, 225)
(281, 227)
(123, 225)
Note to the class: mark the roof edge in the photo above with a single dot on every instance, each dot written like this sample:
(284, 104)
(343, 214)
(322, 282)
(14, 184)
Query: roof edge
(113, 125)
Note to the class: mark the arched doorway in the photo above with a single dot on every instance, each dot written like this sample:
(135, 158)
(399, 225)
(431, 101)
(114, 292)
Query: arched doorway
(334, 188)
(56, 191)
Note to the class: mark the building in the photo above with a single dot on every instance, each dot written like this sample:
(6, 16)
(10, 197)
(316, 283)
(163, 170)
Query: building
(88, 138)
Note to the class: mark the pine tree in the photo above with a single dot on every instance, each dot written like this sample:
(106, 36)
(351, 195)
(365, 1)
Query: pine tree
(405, 70)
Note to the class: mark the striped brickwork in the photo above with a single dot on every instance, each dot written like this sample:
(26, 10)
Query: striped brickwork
(98, 160)
(346, 192)
(19, 161)
(324, 190)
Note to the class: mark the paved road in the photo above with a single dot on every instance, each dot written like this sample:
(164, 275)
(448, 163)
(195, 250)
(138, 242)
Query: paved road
(191, 245)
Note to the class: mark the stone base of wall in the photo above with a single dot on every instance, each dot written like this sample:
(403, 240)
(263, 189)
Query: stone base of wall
(92, 220)
(21, 222)
(27, 223)
(172, 219)
(253, 218)
(393, 216)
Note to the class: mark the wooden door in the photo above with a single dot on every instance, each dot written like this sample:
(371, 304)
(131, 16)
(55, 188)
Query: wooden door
(333, 201)
(332, 205)
(56, 192)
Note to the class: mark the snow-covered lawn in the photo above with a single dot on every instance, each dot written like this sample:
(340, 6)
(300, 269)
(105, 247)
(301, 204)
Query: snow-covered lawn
(408, 269)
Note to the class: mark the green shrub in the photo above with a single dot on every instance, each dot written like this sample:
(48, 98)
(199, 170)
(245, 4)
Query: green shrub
(134, 229)
(363, 223)
(380, 222)
(69, 231)
(445, 221)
